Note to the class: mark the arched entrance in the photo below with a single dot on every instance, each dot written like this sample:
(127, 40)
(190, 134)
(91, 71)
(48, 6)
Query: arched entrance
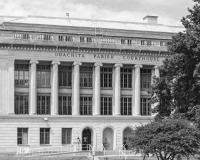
(127, 132)
(86, 139)
(108, 138)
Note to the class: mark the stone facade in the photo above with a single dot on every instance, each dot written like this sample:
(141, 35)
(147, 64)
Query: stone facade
(31, 43)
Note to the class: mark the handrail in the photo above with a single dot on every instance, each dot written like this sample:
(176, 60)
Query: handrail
(46, 150)
(122, 153)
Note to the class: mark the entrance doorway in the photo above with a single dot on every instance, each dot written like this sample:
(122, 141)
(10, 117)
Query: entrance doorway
(127, 132)
(86, 139)
(108, 139)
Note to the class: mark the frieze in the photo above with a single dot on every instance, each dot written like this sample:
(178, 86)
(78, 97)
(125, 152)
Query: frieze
(107, 56)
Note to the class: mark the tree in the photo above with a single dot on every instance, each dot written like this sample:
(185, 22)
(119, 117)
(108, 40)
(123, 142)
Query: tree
(178, 90)
(166, 139)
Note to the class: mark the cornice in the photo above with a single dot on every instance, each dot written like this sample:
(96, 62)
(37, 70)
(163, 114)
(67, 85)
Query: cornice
(88, 50)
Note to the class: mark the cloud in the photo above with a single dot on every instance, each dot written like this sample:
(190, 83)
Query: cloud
(169, 12)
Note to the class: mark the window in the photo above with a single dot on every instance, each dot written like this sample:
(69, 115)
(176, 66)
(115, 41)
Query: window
(148, 43)
(126, 106)
(43, 104)
(21, 74)
(23, 36)
(126, 78)
(21, 104)
(44, 135)
(43, 75)
(163, 43)
(66, 38)
(106, 77)
(66, 135)
(145, 107)
(86, 105)
(65, 105)
(145, 79)
(45, 37)
(86, 76)
(65, 76)
(106, 105)
(87, 39)
(22, 135)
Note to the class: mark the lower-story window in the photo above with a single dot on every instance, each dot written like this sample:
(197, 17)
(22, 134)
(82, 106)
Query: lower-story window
(21, 104)
(86, 105)
(145, 107)
(65, 105)
(43, 104)
(106, 105)
(22, 135)
(66, 135)
(126, 106)
(44, 135)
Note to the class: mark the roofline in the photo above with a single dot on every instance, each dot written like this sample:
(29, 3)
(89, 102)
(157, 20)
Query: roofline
(97, 20)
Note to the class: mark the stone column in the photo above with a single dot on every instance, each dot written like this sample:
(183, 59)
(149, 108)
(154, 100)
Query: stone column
(11, 86)
(54, 89)
(117, 89)
(76, 107)
(33, 87)
(97, 89)
(137, 89)
(157, 72)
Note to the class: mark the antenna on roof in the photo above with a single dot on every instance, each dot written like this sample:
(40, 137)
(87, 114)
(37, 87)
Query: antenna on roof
(67, 14)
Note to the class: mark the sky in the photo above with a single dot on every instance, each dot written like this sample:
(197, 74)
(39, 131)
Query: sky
(169, 12)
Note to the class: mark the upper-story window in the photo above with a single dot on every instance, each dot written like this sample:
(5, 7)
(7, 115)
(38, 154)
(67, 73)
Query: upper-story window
(65, 105)
(126, 78)
(43, 104)
(65, 76)
(145, 79)
(45, 37)
(163, 43)
(145, 107)
(21, 74)
(24, 36)
(126, 106)
(85, 105)
(21, 103)
(43, 75)
(87, 39)
(106, 77)
(108, 40)
(66, 38)
(148, 43)
(86, 76)
(106, 105)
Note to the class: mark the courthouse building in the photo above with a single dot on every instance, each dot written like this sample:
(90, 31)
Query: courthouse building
(67, 81)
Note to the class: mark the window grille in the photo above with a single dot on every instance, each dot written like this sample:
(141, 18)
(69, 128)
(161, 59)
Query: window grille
(21, 104)
(126, 106)
(43, 104)
(66, 135)
(126, 78)
(86, 76)
(22, 136)
(145, 106)
(65, 105)
(85, 105)
(106, 105)
(21, 74)
(106, 77)
(65, 76)
(44, 135)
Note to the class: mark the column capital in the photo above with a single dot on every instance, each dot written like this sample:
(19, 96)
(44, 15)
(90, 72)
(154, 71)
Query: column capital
(118, 65)
(157, 66)
(77, 63)
(55, 62)
(34, 61)
(98, 64)
(138, 65)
